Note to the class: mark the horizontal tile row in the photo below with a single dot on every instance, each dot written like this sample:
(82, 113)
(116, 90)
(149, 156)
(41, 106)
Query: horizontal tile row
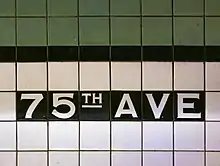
(117, 136)
(116, 159)
(104, 7)
(106, 106)
(107, 53)
(73, 31)
(103, 76)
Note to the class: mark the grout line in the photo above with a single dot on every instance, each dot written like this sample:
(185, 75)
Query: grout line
(47, 68)
(110, 80)
(16, 80)
(173, 79)
(79, 97)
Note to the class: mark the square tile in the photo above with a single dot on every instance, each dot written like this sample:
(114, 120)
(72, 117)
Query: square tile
(63, 31)
(157, 75)
(8, 136)
(188, 7)
(212, 31)
(188, 76)
(212, 158)
(212, 7)
(152, 133)
(151, 7)
(212, 136)
(7, 8)
(66, 8)
(26, 27)
(189, 135)
(63, 158)
(94, 7)
(98, 139)
(7, 75)
(121, 27)
(126, 135)
(7, 106)
(188, 31)
(212, 76)
(63, 135)
(31, 76)
(161, 26)
(7, 32)
(8, 158)
(126, 75)
(94, 30)
(126, 158)
(63, 75)
(189, 158)
(212, 106)
(32, 135)
(35, 158)
(118, 7)
(31, 8)
(95, 158)
(158, 158)
(94, 76)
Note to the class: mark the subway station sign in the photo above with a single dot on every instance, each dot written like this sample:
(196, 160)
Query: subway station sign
(112, 105)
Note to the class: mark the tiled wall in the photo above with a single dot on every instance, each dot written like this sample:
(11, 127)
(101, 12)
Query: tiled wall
(131, 61)
(104, 22)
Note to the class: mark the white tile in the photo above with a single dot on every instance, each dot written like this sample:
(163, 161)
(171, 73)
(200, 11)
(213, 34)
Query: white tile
(7, 76)
(158, 159)
(63, 135)
(212, 76)
(7, 106)
(8, 158)
(8, 136)
(126, 158)
(153, 131)
(31, 76)
(189, 135)
(94, 76)
(95, 135)
(32, 135)
(189, 158)
(63, 159)
(63, 75)
(157, 76)
(213, 106)
(188, 76)
(212, 136)
(95, 158)
(35, 158)
(126, 75)
(126, 135)
(212, 158)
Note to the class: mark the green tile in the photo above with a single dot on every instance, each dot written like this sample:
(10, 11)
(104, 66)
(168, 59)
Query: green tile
(31, 7)
(7, 33)
(188, 7)
(94, 7)
(188, 30)
(94, 31)
(157, 7)
(125, 7)
(212, 7)
(63, 31)
(125, 31)
(213, 31)
(157, 31)
(32, 31)
(66, 8)
(7, 7)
